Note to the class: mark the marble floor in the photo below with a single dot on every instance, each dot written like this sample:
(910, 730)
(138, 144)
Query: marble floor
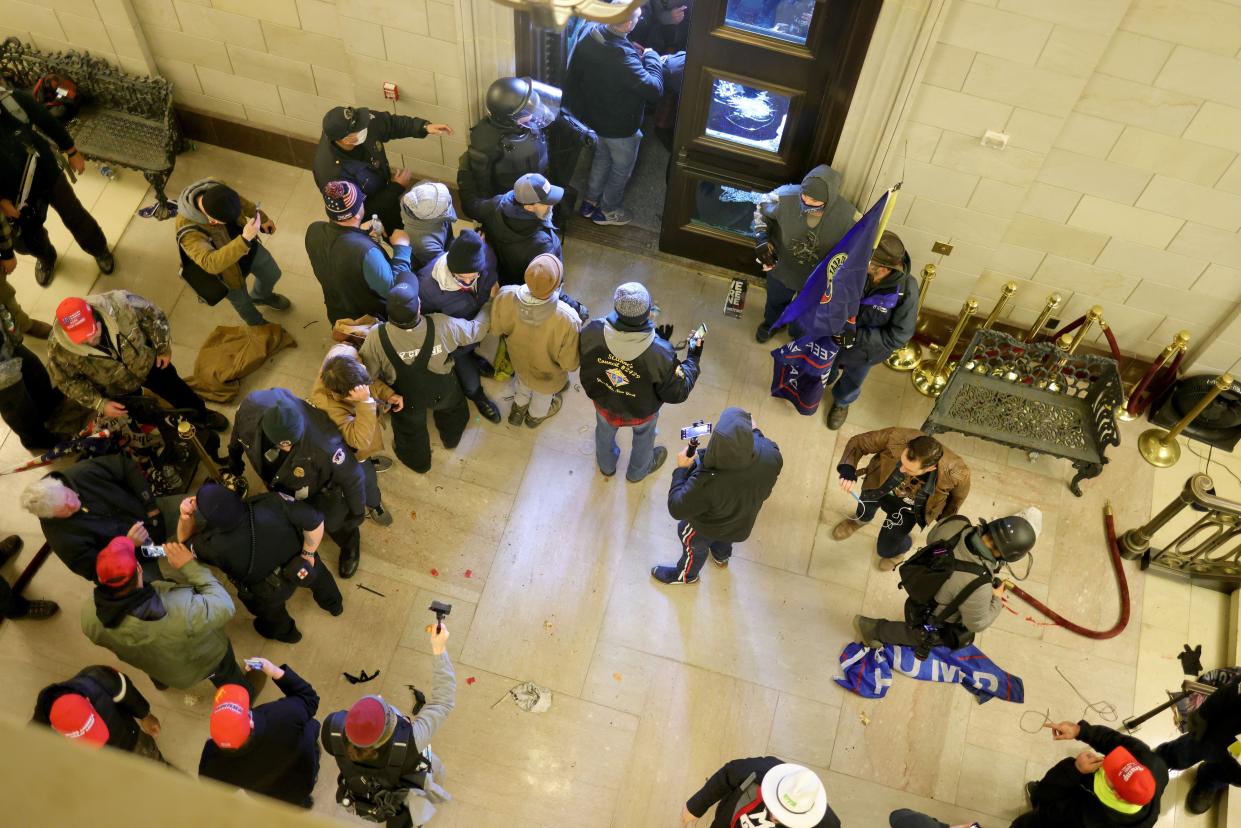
(546, 564)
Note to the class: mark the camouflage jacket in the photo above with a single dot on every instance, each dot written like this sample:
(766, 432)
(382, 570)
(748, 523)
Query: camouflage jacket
(138, 332)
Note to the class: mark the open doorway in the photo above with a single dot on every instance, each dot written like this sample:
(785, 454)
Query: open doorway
(755, 93)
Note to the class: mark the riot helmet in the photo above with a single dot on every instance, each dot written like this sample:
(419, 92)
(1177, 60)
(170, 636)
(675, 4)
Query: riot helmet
(523, 102)
(1012, 537)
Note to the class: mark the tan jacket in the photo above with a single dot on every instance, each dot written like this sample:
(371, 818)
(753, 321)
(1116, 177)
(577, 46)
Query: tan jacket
(208, 245)
(952, 483)
(358, 422)
(542, 339)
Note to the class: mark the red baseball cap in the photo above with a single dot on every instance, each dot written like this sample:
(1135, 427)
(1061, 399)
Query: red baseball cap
(74, 717)
(116, 565)
(230, 717)
(76, 319)
(1130, 779)
(369, 722)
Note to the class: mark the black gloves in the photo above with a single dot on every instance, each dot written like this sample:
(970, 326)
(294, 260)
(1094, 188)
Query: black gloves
(664, 332)
(845, 339)
(846, 472)
(695, 348)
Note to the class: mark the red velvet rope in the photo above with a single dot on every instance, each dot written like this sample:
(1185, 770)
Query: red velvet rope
(1109, 529)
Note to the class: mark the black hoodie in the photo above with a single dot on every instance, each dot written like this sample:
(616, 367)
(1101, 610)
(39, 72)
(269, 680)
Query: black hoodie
(143, 603)
(113, 696)
(721, 494)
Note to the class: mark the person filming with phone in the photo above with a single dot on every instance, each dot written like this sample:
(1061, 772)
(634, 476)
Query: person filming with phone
(717, 492)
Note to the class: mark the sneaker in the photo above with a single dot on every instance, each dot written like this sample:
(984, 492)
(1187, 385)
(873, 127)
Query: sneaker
(658, 457)
(38, 610)
(762, 334)
(9, 547)
(381, 462)
(517, 414)
(274, 301)
(721, 563)
(587, 209)
(293, 636)
(380, 515)
(889, 564)
(668, 575)
(615, 218)
(836, 416)
(44, 269)
(106, 262)
(867, 630)
(535, 422)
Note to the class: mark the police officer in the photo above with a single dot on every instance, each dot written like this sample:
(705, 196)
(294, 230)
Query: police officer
(266, 545)
(387, 770)
(352, 149)
(296, 450)
(962, 600)
(525, 131)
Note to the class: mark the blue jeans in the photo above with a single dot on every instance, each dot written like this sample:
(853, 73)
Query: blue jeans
(610, 170)
(266, 273)
(640, 455)
(849, 385)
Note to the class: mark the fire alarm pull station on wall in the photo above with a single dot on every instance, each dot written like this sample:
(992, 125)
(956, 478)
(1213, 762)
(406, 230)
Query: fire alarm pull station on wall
(390, 91)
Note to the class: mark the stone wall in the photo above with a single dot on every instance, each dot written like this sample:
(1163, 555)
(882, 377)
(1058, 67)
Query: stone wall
(1120, 185)
(280, 64)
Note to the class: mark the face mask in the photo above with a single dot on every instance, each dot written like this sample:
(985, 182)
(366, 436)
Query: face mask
(360, 138)
(807, 210)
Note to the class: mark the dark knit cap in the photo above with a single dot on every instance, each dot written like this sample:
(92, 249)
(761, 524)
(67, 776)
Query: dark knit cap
(465, 254)
(220, 506)
(283, 421)
(890, 252)
(222, 203)
(343, 200)
(404, 305)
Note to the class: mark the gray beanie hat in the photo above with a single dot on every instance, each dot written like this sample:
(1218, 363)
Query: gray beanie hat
(632, 300)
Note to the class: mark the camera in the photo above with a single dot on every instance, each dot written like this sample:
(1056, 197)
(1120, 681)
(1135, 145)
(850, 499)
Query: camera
(694, 431)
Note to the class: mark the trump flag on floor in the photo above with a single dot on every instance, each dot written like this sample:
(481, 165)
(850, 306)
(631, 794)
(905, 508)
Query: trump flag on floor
(868, 672)
(825, 307)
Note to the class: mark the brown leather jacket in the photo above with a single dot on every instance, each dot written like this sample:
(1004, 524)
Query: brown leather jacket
(952, 483)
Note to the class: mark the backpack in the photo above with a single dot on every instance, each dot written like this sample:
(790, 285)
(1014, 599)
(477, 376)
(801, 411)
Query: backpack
(376, 795)
(923, 575)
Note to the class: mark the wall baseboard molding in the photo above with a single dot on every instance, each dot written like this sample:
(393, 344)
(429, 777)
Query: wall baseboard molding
(222, 132)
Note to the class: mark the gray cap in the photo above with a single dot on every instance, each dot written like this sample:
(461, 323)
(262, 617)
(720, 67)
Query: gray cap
(533, 188)
(428, 200)
(632, 300)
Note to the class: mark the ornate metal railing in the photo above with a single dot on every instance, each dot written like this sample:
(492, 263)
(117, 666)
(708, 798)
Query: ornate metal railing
(1210, 549)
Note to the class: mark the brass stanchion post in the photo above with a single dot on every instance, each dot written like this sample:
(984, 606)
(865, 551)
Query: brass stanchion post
(1053, 302)
(907, 357)
(930, 379)
(1006, 293)
(1159, 447)
(1179, 343)
(1092, 316)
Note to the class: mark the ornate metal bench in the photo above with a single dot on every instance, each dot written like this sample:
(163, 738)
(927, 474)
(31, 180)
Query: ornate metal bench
(124, 120)
(1034, 397)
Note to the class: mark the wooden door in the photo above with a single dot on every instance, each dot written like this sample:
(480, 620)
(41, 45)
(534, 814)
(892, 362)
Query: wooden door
(766, 89)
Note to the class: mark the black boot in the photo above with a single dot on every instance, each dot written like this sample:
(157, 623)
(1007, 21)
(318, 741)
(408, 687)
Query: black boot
(485, 406)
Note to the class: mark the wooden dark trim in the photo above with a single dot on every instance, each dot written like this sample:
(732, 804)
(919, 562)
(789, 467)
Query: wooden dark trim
(849, 66)
(222, 132)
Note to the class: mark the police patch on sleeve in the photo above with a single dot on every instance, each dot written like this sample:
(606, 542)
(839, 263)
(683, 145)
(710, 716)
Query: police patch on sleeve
(338, 457)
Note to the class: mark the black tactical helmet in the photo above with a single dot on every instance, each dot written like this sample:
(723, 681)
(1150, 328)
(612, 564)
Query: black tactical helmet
(1012, 536)
(522, 102)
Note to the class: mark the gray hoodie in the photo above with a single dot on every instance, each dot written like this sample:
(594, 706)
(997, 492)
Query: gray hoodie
(983, 606)
(187, 202)
(801, 244)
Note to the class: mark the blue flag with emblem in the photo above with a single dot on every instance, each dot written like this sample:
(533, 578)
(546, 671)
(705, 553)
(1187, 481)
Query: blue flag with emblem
(826, 305)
